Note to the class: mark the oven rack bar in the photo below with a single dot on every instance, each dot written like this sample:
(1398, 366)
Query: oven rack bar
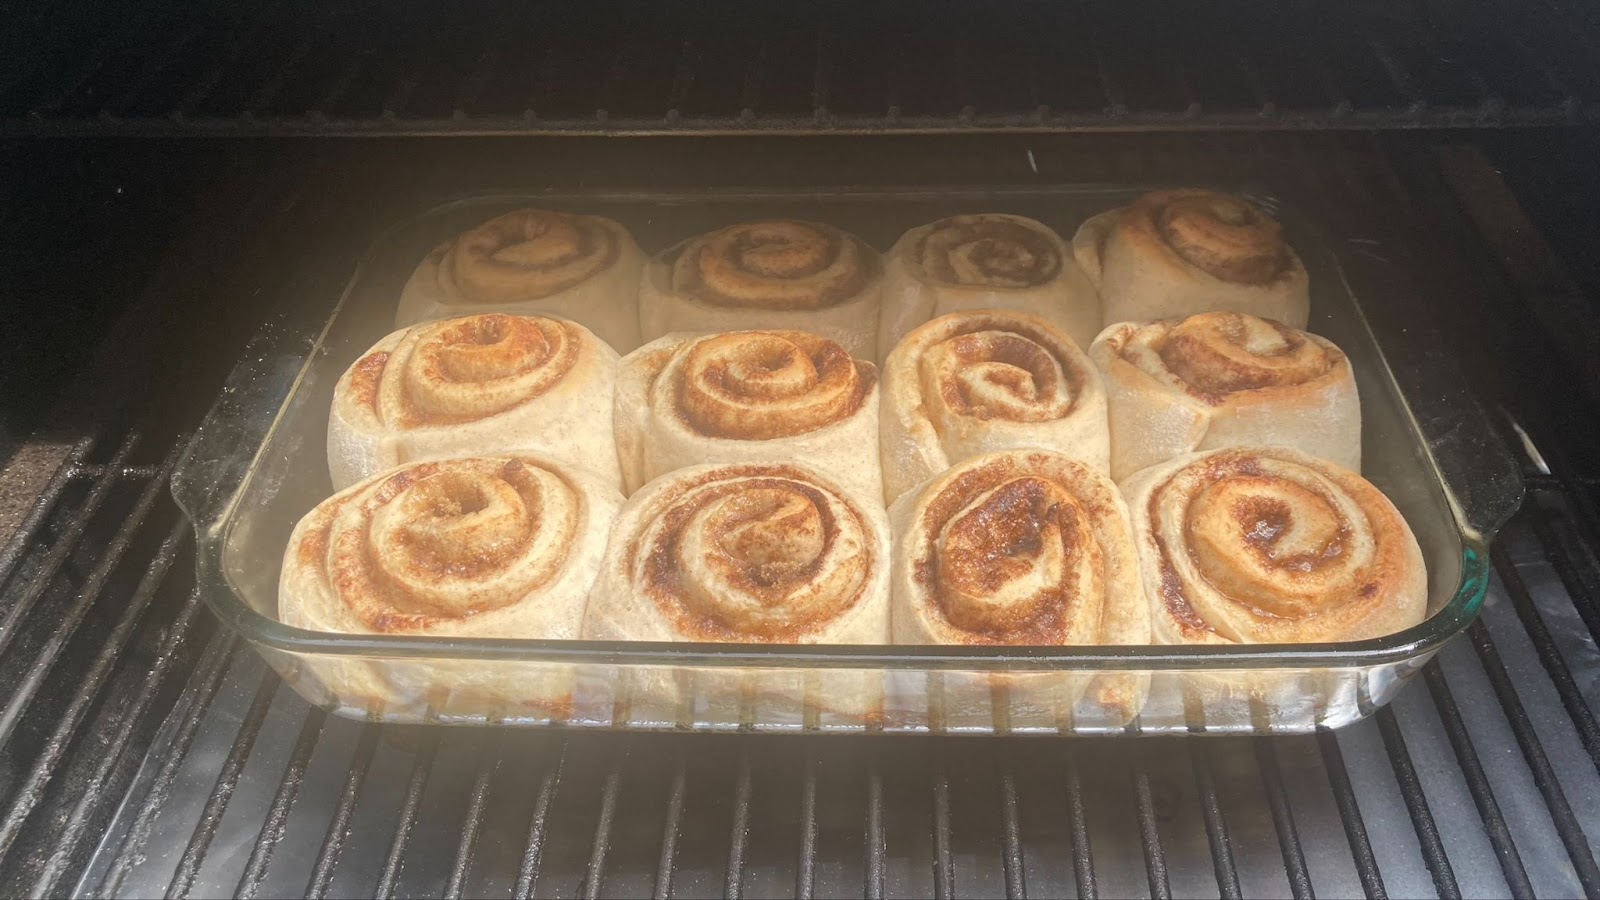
(299, 67)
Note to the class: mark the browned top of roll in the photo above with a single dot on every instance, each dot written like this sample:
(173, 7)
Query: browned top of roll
(366, 375)
(446, 540)
(528, 254)
(1217, 354)
(1225, 236)
(778, 265)
(1014, 557)
(1300, 549)
(995, 365)
(989, 251)
(462, 370)
(752, 553)
(1017, 378)
(758, 385)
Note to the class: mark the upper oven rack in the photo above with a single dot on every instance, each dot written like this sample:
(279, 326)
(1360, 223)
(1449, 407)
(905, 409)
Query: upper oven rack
(351, 67)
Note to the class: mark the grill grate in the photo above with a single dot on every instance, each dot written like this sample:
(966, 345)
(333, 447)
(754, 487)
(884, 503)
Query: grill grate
(1484, 782)
(302, 67)
(518, 817)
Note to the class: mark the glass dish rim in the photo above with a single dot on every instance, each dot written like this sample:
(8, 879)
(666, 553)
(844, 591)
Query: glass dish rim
(1419, 640)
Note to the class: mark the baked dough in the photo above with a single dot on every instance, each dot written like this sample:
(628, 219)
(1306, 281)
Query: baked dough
(750, 553)
(1028, 548)
(534, 262)
(486, 547)
(1222, 379)
(477, 385)
(990, 261)
(974, 382)
(748, 396)
(1175, 253)
(800, 276)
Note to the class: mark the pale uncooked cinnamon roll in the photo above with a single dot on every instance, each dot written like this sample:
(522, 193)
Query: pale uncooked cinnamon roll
(748, 396)
(756, 554)
(984, 262)
(1022, 547)
(1174, 253)
(804, 276)
(477, 385)
(1224, 379)
(534, 262)
(975, 382)
(1271, 546)
(504, 547)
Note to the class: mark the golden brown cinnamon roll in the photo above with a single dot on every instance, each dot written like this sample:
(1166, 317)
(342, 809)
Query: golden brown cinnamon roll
(1022, 547)
(748, 396)
(504, 547)
(1272, 546)
(1225, 379)
(988, 261)
(750, 553)
(1173, 253)
(476, 385)
(985, 380)
(534, 262)
(802, 276)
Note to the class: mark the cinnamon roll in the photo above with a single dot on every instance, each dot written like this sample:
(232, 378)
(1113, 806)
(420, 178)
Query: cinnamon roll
(984, 262)
(481, 384)
(504, 546)
(534, 262)
(750, 553)
(975, 382)
(1021, 547)
(1225, 379)
(804, 276)
(1267, 545)
(1173, 253)
(748, 396)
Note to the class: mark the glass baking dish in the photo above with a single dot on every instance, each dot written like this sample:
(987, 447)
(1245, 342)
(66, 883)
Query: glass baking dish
(257, 464)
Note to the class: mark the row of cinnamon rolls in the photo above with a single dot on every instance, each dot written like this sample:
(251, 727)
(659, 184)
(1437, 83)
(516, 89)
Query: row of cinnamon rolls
(1200, 486)
(1168, 254)
(1024, 547)
(960, 385)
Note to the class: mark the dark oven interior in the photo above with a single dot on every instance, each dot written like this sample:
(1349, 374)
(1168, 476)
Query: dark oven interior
(187, 176)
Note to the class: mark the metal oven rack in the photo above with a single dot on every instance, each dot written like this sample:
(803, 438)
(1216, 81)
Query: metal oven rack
(142, 751)
(300, 67)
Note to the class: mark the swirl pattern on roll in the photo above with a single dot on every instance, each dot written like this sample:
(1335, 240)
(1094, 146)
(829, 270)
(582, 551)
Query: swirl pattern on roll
(975, 382)
(745, 553)
(1269, 545)
(780, 265)
(461, 370)
(528, 254)
(759, 385)
(748, 396)
(585, 268)
(989, 251)
(1227, 237)
(774, 274)
(490, 546)
(1225, 379)
(1173, 253)
(476, 384)
(1023, 547)
(988, 261)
